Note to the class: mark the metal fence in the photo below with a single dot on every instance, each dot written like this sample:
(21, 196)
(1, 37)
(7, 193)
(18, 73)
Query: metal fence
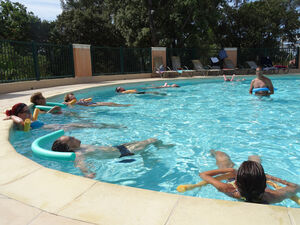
(23, 61)
(278, 56)
(188, 54)
(108, 60)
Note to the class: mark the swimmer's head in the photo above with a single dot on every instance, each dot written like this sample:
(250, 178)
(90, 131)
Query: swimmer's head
(258, 71)
(120, 89)
(38, 99)
(21, 110)
(175, 85)
(251, 181)
(66, 144)
(69, 97)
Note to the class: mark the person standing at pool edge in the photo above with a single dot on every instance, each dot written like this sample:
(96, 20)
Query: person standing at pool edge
(71, 144)
(261, 82)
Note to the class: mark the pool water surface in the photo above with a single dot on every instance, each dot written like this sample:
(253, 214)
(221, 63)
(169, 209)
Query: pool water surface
(202, 114)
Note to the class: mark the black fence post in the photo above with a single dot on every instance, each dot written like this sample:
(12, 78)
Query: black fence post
(35, 60)
(297, 58)
(122, 59)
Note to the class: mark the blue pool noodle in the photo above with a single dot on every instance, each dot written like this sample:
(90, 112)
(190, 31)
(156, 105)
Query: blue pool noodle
(38, 147)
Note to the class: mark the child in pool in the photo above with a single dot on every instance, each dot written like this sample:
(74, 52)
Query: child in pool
(70, 97)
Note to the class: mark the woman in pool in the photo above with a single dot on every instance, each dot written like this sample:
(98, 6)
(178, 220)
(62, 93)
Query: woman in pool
(38, 99)
(20, 112)
(232, 78)
(248, 182)
(86, 102)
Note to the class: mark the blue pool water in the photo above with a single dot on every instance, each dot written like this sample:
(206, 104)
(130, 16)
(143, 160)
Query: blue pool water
(199, 116)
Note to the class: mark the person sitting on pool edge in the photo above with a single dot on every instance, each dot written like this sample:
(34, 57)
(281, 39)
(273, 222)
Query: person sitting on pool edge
(249, 181)
(84, 102)
(20, 112)
(71, 144)
(261, 82)
(134, 91)
(38, 99)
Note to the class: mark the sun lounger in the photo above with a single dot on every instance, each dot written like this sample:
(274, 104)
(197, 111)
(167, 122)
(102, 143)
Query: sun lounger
(183, 70)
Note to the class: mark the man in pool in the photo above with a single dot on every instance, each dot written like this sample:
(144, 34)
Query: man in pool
(71, 144)
(261, 82)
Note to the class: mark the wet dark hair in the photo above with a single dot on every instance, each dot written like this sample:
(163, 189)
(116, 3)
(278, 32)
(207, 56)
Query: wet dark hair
(251, 181)
(59, 146)
(118, 89)
(16, 109)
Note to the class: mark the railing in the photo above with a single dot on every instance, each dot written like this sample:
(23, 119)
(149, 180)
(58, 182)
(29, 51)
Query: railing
(278, 56)
(108, 60)
(23, 61)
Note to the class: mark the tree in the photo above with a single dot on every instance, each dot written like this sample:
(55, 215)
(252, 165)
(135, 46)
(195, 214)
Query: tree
(18, 24)
(176, 23)
(258, 24)
(86, 22)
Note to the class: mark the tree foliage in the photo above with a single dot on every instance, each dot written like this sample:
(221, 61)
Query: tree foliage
(172, 23)
(258, 24)
(18, 24)
(86, 22)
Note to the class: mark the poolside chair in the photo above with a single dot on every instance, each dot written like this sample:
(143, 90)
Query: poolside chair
(203, 71)
(183, 70)
(229, 67)
(163, 71)
(252, 64)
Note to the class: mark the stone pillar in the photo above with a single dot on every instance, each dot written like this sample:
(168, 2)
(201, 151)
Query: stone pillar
(159, 54)
(82, 60)
(232, 55)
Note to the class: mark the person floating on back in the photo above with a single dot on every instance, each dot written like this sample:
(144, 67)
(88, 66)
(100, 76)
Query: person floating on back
(134, 91)
(70, 99)
(71, 144)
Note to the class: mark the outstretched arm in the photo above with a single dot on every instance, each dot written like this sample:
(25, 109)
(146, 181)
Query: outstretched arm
(281, 193)
(79, 162)
(208, 176)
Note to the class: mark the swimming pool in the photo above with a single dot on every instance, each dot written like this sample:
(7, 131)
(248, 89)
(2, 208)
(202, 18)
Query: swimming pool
(198, 116)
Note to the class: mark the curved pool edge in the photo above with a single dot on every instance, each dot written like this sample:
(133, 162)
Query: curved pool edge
(68, 196)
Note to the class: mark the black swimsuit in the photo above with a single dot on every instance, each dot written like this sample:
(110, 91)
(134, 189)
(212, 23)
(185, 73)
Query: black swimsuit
(124, 151)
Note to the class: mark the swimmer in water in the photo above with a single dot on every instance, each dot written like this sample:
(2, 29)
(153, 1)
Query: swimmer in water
(134, 91)
(71, 144)
(261, 82)
(248, 182)
(85, 102)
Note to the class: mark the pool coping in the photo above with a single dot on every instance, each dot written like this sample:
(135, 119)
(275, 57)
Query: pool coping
(84, 201)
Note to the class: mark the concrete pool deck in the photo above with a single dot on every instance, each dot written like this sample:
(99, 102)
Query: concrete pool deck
(32, 194)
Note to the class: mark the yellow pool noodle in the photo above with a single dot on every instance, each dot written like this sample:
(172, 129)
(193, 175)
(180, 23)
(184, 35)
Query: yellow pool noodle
(73, 102)
(295, 198)
(27, 123)
(35, 114)
(186, 187)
